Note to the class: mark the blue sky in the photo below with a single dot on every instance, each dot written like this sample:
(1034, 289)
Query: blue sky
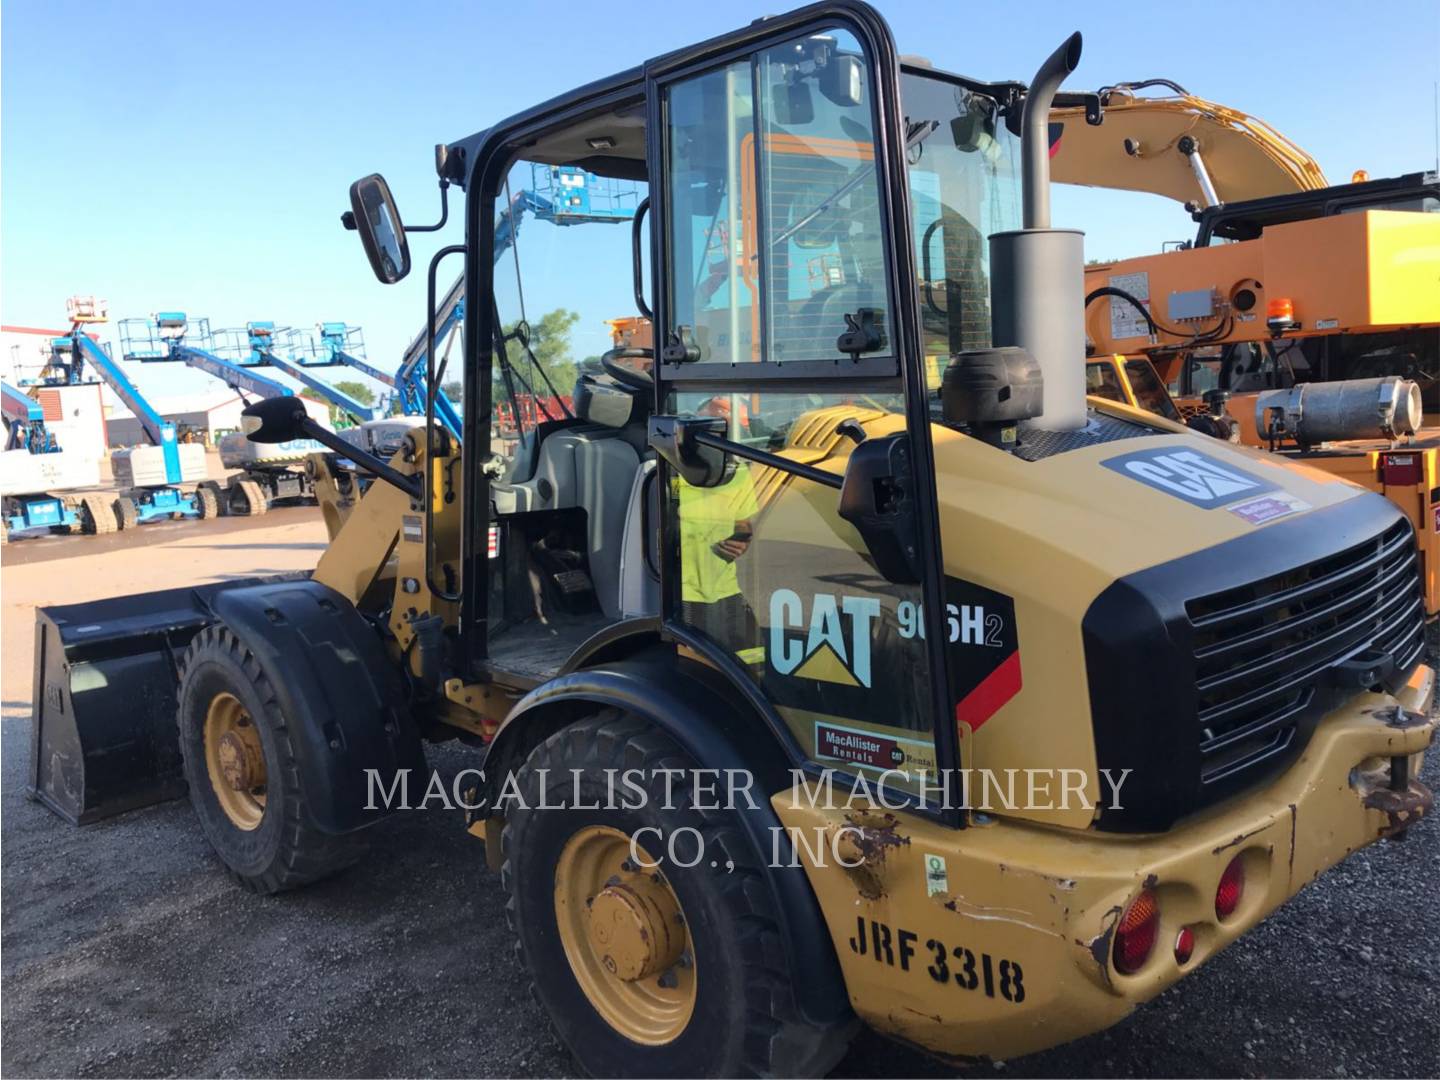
(197, 156)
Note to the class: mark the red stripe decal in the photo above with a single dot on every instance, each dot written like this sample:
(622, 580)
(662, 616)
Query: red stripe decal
(994, 690)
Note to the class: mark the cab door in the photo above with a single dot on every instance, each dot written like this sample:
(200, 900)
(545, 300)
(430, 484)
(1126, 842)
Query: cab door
(782, 325)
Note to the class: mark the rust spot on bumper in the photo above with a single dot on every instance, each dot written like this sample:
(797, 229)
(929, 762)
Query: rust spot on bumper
(863, 845)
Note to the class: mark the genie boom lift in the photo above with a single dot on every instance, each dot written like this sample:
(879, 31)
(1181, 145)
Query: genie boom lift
(149, 476)
(33, 468)
(268, 474)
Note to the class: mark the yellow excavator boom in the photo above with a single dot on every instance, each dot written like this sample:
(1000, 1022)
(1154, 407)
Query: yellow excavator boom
(1164, 145)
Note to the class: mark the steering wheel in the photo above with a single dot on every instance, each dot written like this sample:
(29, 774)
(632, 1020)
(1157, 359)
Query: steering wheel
(629, 376)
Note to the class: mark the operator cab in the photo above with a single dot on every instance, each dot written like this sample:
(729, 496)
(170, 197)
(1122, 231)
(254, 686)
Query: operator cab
(780, 304)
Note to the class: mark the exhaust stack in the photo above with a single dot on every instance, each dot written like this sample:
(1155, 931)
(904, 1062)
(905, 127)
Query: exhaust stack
(1037, 273)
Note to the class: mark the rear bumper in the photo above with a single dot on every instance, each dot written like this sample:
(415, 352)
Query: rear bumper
(1004, 947)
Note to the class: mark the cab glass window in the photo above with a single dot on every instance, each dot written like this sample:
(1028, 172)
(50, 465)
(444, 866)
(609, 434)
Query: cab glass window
(1101, 380)
(1150, 393)
(772, 574)
(964, 172)
(776, 228)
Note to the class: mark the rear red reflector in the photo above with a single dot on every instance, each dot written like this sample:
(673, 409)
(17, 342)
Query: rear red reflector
(1231, 889)
(1135, 936)
(1184, 945)
(1400, 469)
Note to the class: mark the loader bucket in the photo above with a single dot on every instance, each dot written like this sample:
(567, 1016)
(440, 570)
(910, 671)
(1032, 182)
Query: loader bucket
(103, 737)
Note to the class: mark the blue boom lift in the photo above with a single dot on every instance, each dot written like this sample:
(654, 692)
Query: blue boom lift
(150, 475)
(268, 475)
(337, 344)
(29, 452)
(259, 344)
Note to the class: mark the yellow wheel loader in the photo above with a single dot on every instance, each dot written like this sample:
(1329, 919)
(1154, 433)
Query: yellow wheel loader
(828, 658)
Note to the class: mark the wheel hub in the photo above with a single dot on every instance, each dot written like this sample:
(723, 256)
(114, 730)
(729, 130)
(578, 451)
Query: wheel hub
(635, 928)
(235, 761)
(238, 761)
(625, 937)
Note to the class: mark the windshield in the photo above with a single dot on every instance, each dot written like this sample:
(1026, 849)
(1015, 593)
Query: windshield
(562, 289)
(964, 170)
(1150, 392)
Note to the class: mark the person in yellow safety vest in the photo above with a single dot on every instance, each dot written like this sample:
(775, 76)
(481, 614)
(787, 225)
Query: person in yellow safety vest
(716, 525)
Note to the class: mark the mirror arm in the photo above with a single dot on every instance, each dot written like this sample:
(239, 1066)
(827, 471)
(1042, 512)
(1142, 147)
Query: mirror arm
(444, 212)
(368, 461)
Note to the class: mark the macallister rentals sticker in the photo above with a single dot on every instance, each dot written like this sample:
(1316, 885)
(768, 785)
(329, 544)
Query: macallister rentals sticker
(860, 747)
(1268, 507)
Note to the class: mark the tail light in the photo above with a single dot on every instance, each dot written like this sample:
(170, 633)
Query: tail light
(1230, 890)
(1184, 945)
(1135, 936)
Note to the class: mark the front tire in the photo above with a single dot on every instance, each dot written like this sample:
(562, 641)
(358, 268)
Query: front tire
(670, 971)
(207, 500)
(245, 783)
(127, 513)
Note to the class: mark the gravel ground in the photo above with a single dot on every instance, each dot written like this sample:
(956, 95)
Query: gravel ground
(128, 952)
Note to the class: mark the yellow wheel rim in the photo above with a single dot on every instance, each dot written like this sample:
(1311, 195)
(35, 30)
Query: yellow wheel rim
(625, 936)
(235, 761)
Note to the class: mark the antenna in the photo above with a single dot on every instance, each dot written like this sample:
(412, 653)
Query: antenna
(1436, 86)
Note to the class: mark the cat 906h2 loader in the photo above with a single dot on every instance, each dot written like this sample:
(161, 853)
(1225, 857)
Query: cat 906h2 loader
(850, 515)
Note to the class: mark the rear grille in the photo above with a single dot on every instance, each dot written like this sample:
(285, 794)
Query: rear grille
(1261, 650)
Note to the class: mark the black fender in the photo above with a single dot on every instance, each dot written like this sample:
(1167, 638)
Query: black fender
(618, 641)
(341, 695)
(700, 710)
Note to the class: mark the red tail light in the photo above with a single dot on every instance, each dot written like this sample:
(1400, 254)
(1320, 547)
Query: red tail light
(1135, 936)
(1231, 889)
(1184, 945)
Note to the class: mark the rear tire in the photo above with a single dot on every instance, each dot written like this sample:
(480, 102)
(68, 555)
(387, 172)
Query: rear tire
(97, 517)
(742, 1019)
(247, 498)
(127, 514)
(245, 783)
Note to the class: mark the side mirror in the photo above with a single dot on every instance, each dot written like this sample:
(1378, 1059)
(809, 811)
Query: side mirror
(381, 231)
(842, 80)
(876, 499)
(673, 438)
(274, 420)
